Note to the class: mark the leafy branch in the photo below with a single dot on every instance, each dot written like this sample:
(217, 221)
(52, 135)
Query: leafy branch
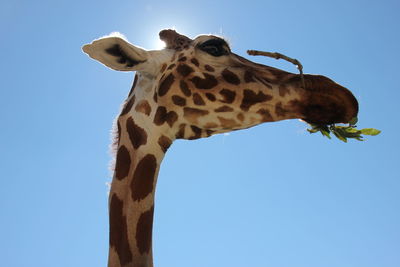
(343, 132)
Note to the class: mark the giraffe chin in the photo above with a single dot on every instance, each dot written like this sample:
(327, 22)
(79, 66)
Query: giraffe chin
(326, 102)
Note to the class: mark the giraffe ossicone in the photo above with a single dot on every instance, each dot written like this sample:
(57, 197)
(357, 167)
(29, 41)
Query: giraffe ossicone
(193, 88)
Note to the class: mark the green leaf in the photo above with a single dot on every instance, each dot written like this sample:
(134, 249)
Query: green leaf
(343, 132)
(349, 132)
(326, 133)
(370, 131)
(352, 130)
(324, 128)
(338, 134)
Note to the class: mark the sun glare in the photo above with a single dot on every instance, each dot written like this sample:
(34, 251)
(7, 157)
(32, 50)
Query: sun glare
(158, 44)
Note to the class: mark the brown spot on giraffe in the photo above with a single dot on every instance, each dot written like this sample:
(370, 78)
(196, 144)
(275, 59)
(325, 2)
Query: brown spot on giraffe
(181, 132)
(211, 97)
(184, 70)
(228, 95)
(165, 85)
(196, 131)
(171, 66)
(143, 178)
(228, 123)
(195, 62)
(198, 100)
(155, 97)
(143, 107)
(224, 109)
(248, 77)
(192, 114)
(172, 117)
(240, 117)
(144, 231)
(230, 77)
(137, 135)
(265, 114)
(164, 143)
(164, 66)
(163, 116)
(194, 111)
(279, 110)
(128, 106)
(208, 82)
(209, 68)
(209, 132)
(251, 98)
(160, 116)
(123, 163)
(182, 59)
(178, 100)
(119, 231)
(185, 88)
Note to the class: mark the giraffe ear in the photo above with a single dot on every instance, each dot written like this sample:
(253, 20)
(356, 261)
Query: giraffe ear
(116, 53)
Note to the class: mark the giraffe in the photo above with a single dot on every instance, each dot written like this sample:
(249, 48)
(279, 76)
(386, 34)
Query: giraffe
(193, 88)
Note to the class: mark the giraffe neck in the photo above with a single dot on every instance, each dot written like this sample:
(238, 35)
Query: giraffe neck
(141, 148)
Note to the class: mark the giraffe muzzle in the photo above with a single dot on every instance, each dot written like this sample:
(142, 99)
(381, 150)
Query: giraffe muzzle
(326, 102)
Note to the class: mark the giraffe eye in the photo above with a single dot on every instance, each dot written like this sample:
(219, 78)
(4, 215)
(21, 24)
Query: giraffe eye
(215, 47)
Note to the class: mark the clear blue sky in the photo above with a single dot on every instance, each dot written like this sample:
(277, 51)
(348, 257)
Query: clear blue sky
(270, 196)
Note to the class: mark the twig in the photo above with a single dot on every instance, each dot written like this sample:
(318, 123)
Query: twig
(280, 56)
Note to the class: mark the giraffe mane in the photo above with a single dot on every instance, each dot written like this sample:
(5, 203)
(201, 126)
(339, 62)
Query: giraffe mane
(113, 147)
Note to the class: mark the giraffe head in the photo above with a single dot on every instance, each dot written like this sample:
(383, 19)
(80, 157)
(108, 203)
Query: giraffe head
(197, 87)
